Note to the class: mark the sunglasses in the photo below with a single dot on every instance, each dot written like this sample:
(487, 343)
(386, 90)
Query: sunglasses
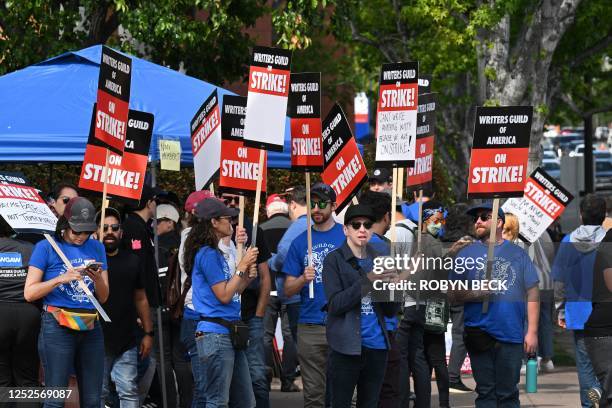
(484, 217)
(357, 225)
(113, 227)
(321, 204)
(80, 234)
(229, 200)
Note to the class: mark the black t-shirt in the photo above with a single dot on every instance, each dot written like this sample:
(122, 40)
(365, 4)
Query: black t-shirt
(600, 320)
(124, 277)
(138, 238)
(14, 259)
(274, 229)
(249, 297)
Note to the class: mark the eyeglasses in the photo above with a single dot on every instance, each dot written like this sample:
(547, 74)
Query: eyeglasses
(321, 204)
(484, 217)
(357, 225)
(113, 227)
(230, 200)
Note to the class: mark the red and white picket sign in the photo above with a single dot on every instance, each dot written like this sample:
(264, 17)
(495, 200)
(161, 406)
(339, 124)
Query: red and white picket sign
(498, 166)
(344, 170)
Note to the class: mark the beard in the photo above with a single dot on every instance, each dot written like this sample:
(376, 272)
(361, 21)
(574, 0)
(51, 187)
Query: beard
(482, 233)
(110, 244)
(320, 218)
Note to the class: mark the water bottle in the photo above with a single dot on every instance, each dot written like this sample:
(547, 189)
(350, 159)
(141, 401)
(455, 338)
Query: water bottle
(532, 373)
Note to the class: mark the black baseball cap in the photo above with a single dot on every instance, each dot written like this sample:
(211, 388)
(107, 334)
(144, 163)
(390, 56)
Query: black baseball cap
(150, 193)
(473, 211)
(323, 192)
(210, 208)
(381, 175)
(358, 210)
(81, 215)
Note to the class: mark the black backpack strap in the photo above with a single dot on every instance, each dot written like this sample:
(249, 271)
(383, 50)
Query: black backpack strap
(218, 320)
(406, 227)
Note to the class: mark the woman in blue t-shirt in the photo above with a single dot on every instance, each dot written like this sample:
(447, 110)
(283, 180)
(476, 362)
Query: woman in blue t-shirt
(70, 335)
(216, 298)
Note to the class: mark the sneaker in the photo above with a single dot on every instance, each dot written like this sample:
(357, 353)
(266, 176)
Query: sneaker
(594, 395)
(458, 388)
(547, 367)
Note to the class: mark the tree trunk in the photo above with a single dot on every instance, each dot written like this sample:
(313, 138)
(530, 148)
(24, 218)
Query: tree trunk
(518, 74)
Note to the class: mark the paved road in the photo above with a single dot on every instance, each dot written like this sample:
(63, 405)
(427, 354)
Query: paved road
(557, 389)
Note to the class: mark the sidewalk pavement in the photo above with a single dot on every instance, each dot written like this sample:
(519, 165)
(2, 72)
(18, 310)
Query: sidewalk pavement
(556, 389)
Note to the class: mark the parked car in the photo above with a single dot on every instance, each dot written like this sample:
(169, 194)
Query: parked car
(550, 154)
(564, 141)
(552, 167)
(597, 153)
(603, 174)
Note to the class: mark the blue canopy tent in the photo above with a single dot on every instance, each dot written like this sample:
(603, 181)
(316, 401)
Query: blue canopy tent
(45, 109)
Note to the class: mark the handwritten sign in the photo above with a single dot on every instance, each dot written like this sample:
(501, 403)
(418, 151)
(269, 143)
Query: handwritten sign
(21, 206)
(170, 155)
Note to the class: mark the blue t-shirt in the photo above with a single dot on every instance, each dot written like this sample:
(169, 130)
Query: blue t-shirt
(505, 319)
(297, 258)
(383, 248)
(210, 268)
(68, 295)
(371, 333)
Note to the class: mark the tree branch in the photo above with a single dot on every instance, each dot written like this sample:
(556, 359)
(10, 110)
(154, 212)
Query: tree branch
(599, 46)
(356, 36)
(602, 109)
(567, 98)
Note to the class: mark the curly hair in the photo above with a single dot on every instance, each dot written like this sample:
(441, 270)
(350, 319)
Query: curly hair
(202, 234)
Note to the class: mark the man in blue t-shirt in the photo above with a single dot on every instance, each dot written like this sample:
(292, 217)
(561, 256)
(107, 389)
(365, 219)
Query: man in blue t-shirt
(311, 339)
(496, 340)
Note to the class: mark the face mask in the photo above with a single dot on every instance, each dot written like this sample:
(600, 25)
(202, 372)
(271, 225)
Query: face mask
(434, 229)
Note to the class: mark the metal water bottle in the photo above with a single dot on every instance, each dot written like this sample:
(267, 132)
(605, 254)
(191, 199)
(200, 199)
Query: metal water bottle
(532, 373)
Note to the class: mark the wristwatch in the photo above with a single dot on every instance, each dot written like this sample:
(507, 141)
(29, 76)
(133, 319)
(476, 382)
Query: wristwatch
(239, 273)
(150, 334)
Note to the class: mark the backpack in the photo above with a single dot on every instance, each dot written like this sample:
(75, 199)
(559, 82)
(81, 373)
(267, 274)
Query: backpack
(175, 292)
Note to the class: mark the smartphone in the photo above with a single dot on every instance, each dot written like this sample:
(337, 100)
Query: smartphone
(93, 266)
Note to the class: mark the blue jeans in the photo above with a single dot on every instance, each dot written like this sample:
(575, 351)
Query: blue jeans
(227, 379)
(123, 371)
(586, 374)
(63, 349)
(256, 357)
(188, 329)
(497, 373)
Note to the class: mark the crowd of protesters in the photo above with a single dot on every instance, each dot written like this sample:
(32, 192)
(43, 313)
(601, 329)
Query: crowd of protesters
(216, 297)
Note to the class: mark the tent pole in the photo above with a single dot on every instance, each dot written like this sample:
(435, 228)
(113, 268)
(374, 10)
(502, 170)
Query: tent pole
(162, 363)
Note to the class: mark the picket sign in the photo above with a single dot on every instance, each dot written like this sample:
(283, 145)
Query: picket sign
(104, 200)
(309, 232)
(400, 184)
(490, 250)
(419, 239)
(393, 221)
(262, 156)
(82, 284)
(240, 248)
